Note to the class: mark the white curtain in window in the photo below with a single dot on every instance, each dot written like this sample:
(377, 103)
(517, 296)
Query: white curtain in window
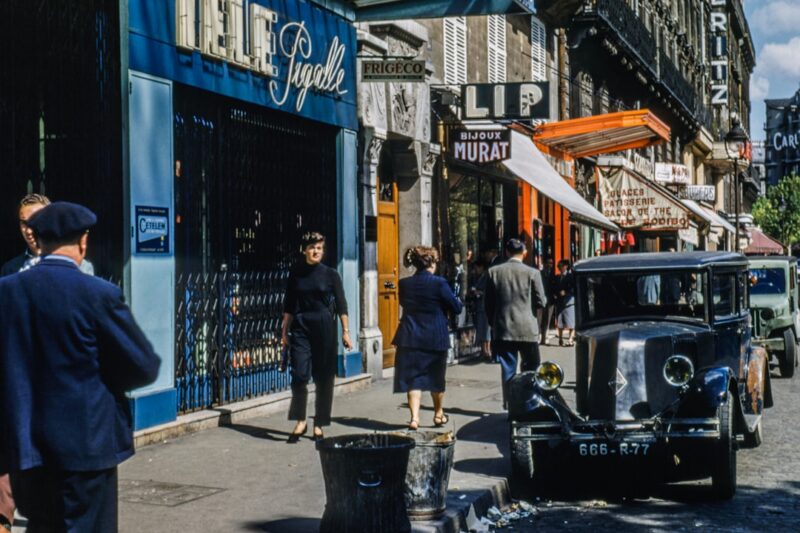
(497, 48)
(538, 50)
(455, 50)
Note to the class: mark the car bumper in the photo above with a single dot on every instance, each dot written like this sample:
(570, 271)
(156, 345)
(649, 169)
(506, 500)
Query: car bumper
(771, 345)
(557, 433)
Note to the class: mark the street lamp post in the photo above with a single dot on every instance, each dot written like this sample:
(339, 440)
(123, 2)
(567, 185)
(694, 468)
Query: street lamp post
(735, 141)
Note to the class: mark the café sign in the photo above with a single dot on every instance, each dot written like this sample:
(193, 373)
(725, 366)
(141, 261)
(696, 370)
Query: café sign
(630, 202)
(479, 147)
(673, 174)
(222, 28)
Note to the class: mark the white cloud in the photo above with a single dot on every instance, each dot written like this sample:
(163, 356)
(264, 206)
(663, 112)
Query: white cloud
(777, 17)
(780, 58)
(759, 88)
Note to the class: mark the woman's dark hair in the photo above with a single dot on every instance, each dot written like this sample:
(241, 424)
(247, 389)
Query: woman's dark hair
(421, 257)
(310, 238)
(564, 262)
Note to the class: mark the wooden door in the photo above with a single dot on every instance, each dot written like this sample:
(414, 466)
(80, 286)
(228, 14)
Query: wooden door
(388, 263)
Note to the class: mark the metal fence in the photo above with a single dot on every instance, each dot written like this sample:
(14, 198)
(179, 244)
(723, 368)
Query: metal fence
(60, 117)
(249, 182)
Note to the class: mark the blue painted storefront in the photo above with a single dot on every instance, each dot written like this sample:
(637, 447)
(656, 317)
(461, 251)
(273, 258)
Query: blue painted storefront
(155, 62)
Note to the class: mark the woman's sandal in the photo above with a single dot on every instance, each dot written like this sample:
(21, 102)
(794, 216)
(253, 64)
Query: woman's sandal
(413, 425)
(318, 434)
(439, 421)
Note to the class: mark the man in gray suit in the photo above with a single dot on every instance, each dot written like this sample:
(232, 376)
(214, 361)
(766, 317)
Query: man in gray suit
(513, 294)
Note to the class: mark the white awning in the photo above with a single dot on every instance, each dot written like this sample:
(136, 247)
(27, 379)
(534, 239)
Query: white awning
(528, 164)
(717, 220)
(695, 208)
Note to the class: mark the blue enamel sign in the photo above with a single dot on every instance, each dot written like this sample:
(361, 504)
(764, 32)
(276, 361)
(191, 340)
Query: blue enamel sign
(152, 230)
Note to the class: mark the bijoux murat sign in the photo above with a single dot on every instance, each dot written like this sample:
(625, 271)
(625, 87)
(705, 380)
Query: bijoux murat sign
(222, 29)
(480, 147)
(526, 100)
(718, 26)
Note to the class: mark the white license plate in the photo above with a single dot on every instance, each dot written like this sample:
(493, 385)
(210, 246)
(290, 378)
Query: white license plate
(622, 449)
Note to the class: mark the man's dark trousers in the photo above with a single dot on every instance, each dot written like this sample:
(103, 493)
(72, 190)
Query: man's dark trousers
(506, 354)
(59, 501)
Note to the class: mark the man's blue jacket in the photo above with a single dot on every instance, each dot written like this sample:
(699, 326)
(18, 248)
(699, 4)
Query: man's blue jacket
(69, 350)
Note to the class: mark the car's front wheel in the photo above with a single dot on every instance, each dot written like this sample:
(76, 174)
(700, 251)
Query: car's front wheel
(723, 460)
(787, 362)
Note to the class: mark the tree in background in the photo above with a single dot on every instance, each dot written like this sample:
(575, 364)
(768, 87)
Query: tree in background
(778, 212)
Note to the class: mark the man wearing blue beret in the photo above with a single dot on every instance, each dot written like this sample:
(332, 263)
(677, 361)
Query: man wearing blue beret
(69, 351)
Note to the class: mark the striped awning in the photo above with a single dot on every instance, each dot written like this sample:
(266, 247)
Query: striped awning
(374, 10)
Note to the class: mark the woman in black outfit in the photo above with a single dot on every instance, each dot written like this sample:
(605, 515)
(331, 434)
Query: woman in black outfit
(314, 297)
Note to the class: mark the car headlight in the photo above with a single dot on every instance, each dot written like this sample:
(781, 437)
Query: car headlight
(678, 370)
(549, 376)
(767, 314)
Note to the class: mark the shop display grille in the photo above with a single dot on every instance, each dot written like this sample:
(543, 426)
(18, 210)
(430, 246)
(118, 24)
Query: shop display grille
(249, 182)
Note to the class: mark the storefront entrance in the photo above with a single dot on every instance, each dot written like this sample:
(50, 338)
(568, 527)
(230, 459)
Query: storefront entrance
(248, 183)
(388, 258)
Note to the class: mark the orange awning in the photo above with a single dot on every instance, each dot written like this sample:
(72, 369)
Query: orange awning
(603, 134)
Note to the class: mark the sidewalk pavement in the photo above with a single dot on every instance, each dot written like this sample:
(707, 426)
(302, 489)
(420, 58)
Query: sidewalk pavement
(245, 477)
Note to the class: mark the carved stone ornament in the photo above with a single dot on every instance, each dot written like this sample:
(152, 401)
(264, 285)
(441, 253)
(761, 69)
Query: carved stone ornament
(429, 163)
(404, 109)
(374, 149)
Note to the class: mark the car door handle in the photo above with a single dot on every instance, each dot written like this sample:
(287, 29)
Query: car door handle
(389, 285)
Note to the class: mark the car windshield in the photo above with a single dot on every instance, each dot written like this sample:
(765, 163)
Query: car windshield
(767, 281)
(676, 294)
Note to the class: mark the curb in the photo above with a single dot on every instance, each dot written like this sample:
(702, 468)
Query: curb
(465, 506)
(239, 411)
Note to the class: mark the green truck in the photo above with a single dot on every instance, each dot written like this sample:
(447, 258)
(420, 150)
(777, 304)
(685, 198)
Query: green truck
(774, 312)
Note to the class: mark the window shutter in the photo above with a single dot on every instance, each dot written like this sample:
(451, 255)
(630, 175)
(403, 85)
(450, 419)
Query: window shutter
(538, 50)
(455, 50)
(497, 48)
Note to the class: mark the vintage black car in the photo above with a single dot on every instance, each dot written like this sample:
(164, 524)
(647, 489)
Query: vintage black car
(666, 380)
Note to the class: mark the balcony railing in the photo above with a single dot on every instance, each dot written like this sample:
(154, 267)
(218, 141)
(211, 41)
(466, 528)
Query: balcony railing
(629, 27)
(672, 78)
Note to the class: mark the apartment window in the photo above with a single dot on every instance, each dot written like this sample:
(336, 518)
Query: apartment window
(497, 48)
(455, 50)
(538, 50)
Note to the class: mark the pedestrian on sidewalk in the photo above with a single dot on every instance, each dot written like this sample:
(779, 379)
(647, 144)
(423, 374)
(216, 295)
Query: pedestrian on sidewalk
(483, 333)
(314, 296)
(513, 295)
(546, 313)
(565, 304)
(70, 350)
(422, 338)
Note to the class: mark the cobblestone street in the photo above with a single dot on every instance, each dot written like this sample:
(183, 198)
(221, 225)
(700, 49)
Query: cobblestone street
(768, 495)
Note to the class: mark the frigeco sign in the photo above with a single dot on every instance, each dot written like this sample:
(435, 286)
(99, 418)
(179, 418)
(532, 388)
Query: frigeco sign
(222, 28)
(480, 146)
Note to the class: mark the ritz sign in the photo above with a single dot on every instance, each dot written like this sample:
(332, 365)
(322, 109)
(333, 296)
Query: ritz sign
(221, 35)
(719, 52)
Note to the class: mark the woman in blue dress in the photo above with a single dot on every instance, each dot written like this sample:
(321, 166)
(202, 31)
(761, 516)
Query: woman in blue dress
(423, 338)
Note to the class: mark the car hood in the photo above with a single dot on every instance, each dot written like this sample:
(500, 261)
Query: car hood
(620, 367)
(771, 301)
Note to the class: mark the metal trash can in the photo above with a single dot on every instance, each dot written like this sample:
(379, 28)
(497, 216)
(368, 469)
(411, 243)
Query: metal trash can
(429, 466)
(364, 483)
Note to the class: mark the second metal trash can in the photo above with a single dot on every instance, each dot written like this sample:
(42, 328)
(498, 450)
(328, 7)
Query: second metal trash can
(364, 483)
(428, 475)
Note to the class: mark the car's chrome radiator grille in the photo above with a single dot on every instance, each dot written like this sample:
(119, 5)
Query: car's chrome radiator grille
(756, 322)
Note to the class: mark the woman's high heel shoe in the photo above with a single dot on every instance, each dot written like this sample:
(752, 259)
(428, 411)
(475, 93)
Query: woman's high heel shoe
(295, 437)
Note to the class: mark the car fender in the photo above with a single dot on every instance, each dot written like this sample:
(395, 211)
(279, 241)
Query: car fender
(757, 365)
(527, 402)
(706, 391)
